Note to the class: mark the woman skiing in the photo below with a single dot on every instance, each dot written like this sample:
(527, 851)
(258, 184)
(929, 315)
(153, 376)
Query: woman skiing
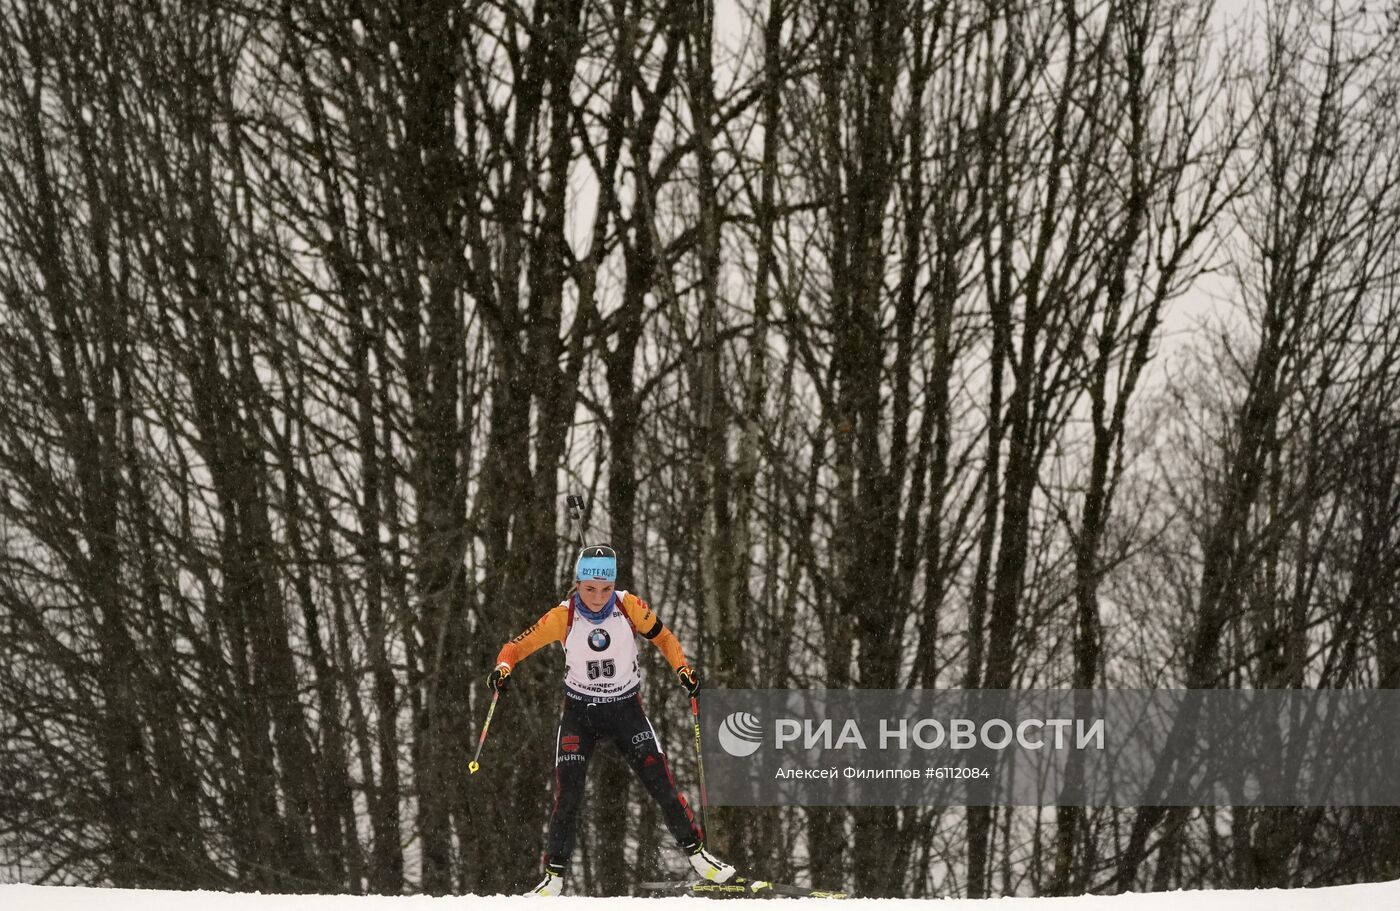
(602, 701)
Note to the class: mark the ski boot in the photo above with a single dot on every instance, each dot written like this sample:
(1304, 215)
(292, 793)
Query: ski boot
(553, 882)
(706, 865)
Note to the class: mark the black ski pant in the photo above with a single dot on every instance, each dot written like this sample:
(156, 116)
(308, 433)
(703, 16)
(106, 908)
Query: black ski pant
(625, 723)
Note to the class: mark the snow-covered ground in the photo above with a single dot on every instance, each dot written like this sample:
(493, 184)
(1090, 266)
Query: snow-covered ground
(52, 898)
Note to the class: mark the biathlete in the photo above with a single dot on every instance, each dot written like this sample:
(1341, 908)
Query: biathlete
(602, 701)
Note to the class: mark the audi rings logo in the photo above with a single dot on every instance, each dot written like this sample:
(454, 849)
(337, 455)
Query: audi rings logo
(740, 734)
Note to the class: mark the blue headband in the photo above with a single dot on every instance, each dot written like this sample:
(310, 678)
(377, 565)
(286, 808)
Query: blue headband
(591, 568)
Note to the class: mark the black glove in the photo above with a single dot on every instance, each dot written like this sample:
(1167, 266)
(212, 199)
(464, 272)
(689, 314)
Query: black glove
(499, 678)
(689, 679)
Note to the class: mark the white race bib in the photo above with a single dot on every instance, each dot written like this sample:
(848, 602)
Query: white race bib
(601, 658)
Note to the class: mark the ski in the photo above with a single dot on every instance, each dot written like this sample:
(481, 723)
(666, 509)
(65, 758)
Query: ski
(738, 887)
(805, 891)
(701, 888)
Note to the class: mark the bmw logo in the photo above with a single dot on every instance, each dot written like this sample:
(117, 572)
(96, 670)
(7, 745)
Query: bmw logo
(740, 734)
(599, 640)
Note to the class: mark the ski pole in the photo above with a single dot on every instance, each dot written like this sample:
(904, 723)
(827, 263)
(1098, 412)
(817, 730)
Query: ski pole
(700, 765)
(578, 508)
(474, 765)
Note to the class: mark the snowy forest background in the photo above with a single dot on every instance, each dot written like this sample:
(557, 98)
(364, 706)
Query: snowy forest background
(935, 343)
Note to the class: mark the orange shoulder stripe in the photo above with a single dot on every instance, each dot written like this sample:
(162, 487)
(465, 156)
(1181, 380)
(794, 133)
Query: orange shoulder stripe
(646, 622)
(549, 628)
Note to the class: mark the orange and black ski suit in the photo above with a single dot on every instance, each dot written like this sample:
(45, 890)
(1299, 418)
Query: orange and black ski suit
(602, 701)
